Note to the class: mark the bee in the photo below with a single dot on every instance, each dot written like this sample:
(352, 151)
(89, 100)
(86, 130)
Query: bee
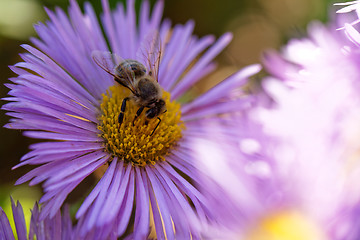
(146, 92)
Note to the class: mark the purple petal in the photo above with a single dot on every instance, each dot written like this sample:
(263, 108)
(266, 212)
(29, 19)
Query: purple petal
(347, 8)
(49, 111)
(141, 225)
(51, 158)
(19, 219)
(49, 147)
(216, 109)
(81, 173)
(156, 15)
(94, 193)
(144, 18)
(224, 88)
(66, 226)
(194, 195)
(100, 197)
(176, 58)
(109, 208)
(181, 209)
(190, 78)
(116, 201)
(5, 228)
(39, 171)
(159, 193)
(59, 136)
(147, 25)
(80, 64)
(179, 53)
(193, 49)
(75, 165)
(127, 206)
(353, 34)
(156, 215)
(51, 207)
(30, 121)
(34, 222)
(87, 27)
(131, 26)
(94, 27)
(53, 73)
(108, 24)
(57, 100)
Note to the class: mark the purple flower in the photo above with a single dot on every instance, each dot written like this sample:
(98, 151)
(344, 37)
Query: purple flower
(301, 150)
(151, 172)
(314, 123)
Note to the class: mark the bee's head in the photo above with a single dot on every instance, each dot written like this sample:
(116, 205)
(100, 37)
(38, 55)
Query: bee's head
(130, 69)
(157, 108)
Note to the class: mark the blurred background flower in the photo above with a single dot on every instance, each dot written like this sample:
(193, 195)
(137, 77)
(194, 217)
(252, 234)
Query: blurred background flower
(299, 153)
(257, 25)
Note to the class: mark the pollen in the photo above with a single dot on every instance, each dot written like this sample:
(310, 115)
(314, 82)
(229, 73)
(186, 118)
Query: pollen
(132, 141)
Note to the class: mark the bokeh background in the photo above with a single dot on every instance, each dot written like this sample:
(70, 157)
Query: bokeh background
(257, 25)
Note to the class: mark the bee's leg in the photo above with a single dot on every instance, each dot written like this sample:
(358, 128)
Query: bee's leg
(122, 110)
(156, 126)
(139, 111)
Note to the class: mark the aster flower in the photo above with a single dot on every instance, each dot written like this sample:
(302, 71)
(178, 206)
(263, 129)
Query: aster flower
(301, 150)
(63, 96)
(314, 123)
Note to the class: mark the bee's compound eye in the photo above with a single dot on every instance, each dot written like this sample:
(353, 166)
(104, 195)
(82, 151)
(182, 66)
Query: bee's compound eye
(130, 68)
(138, 69)
(122, 71)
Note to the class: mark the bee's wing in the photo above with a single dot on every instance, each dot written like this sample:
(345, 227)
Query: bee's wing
(150, 52)
(109, 62)
(106, 60)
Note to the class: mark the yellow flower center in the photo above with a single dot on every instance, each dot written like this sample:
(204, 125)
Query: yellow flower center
(286, 225)
(133, 142)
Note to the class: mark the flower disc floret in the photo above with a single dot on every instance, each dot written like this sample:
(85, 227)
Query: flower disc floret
(132, 141)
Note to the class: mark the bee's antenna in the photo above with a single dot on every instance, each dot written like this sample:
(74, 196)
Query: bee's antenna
(158, 61)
